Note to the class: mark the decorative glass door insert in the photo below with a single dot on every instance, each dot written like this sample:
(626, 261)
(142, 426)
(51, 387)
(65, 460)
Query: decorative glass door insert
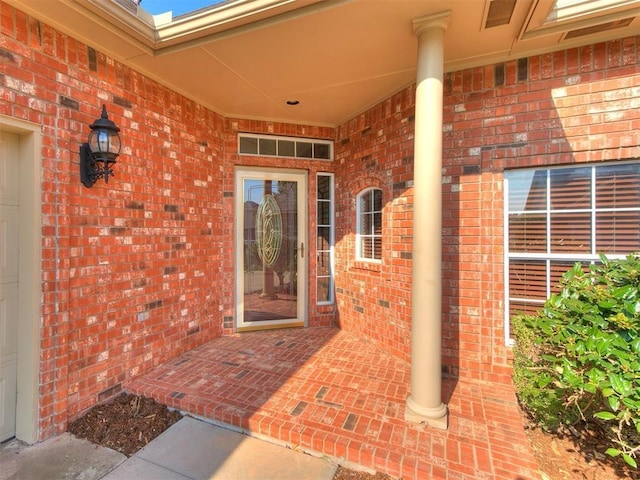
(270, 262)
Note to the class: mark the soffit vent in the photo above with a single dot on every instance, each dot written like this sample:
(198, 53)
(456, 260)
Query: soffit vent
(499, 13)
(601, 27)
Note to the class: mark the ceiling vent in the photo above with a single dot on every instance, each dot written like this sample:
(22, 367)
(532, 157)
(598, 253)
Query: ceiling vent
(499, 13)
(601, 27)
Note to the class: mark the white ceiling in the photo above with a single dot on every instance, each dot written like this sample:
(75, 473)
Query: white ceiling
(247, 58)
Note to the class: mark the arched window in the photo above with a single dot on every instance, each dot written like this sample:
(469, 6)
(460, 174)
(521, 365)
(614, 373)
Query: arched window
(369, 225)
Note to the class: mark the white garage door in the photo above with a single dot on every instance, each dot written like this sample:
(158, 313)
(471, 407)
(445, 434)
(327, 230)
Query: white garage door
(9, 244)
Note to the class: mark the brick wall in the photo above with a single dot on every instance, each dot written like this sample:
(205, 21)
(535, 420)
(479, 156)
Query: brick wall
(578, 105)
(375, 149)
(131, 269)
(140, 270)
(136, 271)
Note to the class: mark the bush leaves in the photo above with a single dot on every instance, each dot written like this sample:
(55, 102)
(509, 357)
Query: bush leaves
(578, 359)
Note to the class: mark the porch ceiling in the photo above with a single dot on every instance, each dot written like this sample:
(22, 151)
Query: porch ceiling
(247, 58)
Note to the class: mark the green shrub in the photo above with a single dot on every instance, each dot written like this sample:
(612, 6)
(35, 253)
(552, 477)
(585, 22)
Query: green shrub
(578, 359)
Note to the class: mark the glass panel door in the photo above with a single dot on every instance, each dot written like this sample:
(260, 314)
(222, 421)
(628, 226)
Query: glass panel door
(271, 260)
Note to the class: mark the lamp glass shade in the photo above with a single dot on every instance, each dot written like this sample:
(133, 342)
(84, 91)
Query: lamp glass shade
(104, 141)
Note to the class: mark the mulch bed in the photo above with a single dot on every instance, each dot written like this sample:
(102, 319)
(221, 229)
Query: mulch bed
(126, 424)
(346, 474)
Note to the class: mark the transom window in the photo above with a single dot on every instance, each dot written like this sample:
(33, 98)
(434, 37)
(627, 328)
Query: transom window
(274, 146)
(369, 225)
(555, 217)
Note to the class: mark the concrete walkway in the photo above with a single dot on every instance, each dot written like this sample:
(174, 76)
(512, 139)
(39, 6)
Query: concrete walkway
(189, 450)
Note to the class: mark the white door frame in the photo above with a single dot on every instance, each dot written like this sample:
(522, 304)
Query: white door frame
(263, 173)
(29, 274)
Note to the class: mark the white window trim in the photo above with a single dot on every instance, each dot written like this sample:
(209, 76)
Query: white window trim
(315, 141)
(592, 257)
(359, 256)
(332, 239)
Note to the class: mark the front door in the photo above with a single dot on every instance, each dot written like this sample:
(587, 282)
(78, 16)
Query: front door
(9, 242)
(271, 225)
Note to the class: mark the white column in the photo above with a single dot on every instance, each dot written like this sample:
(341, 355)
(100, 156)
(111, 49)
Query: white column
(425, 403)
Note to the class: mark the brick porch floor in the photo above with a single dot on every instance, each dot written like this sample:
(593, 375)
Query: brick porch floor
(325, 390)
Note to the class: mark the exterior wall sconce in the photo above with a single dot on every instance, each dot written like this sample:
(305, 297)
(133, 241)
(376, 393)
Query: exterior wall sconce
(101, 150)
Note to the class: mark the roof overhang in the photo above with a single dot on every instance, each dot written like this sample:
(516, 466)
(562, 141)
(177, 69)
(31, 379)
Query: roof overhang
(247, 58)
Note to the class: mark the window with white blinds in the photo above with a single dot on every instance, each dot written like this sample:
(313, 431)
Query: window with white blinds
(555, 217)
(369, 225)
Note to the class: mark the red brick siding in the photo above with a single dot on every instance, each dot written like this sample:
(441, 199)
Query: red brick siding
(375, 149)
(136, 271)
(578, 105)
(131, 269)
(140, 270)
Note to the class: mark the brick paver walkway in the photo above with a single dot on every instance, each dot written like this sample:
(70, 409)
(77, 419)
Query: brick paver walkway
(325, 390)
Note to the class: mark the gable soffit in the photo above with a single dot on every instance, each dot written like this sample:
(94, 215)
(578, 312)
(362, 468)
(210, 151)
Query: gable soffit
(248, 58)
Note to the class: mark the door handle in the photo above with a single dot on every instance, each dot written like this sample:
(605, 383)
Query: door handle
(301, 249)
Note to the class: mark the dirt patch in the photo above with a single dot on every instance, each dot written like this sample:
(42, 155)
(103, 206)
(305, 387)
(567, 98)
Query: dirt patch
(126, 424)
(129, 422)
(576, 454)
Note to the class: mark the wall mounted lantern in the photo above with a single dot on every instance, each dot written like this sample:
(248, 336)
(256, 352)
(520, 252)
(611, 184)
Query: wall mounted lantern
(101, 150)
